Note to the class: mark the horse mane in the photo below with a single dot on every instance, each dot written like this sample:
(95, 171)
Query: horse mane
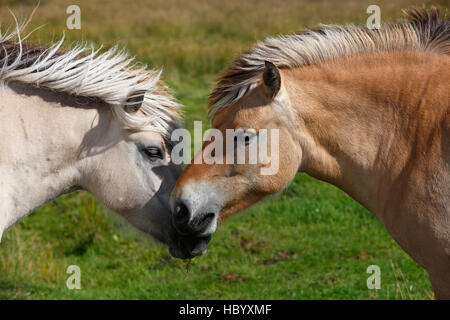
(112, 77)
(422, 30)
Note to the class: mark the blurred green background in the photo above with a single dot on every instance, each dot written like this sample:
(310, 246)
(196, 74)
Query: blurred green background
(310, 242)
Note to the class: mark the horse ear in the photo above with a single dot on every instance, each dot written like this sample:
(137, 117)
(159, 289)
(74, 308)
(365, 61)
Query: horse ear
(134, 101)
(271, 79)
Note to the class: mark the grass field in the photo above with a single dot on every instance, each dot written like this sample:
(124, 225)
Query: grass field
(310, 242)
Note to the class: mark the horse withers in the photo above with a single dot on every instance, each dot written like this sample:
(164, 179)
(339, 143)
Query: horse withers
(87, 120)
(366, 110)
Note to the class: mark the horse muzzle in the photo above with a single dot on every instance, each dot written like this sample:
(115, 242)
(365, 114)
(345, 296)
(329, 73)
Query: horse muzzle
(189, 247)
(194, 219)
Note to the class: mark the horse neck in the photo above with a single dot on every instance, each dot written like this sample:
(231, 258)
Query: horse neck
(358, 115)
(42, 138)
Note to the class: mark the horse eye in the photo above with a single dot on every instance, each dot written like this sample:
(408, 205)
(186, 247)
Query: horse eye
(153, 153)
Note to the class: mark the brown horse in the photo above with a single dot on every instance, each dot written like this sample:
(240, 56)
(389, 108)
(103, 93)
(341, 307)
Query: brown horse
(366, 110)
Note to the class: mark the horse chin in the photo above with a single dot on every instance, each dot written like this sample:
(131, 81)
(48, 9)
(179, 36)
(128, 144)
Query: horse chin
(188, 247)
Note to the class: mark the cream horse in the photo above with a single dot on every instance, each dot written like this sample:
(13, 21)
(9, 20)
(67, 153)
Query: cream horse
(365, 110)
(87, 120)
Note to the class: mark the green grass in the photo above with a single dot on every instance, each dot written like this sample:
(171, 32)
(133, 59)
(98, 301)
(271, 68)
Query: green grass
(310, 242)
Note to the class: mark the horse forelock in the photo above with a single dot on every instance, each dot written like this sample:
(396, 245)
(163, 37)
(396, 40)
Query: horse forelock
(426, 30)
(110, 76)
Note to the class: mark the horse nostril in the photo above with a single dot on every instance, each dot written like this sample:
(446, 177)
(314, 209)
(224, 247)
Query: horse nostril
(182, 214)
(206, 219)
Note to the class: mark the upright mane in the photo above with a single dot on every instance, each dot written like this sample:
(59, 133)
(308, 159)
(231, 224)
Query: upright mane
(112, 77)
(422, 30)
